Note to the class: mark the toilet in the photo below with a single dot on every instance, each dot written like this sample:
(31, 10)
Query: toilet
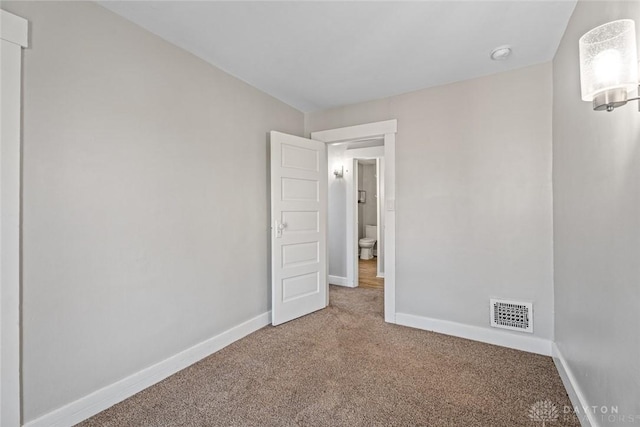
(368, 241)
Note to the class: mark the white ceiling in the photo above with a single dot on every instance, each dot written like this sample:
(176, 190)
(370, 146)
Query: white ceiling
(318, 55)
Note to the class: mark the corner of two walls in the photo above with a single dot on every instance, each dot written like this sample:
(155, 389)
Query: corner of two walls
(474, 200)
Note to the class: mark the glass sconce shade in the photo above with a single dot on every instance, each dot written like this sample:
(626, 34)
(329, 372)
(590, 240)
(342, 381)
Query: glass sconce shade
(609, 60)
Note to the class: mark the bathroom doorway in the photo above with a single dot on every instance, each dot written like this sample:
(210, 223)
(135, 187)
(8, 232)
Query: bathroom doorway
(368, 221)
(365, 141)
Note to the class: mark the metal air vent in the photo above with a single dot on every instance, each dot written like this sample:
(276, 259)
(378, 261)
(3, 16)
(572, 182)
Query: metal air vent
(514, 315)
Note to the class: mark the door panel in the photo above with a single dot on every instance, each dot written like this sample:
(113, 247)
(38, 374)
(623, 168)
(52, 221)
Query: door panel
(301, 221)
(300, 286)
(294, 189)
(300, 158)
(297, 254)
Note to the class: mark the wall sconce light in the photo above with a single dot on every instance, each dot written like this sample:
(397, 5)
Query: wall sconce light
(339, 173)
(609, 64)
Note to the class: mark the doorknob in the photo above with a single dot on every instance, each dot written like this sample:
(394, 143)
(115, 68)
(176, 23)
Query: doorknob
(279, 227)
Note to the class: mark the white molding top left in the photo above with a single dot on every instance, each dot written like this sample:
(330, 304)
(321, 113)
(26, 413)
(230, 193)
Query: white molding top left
(13, 38)
(14, 29)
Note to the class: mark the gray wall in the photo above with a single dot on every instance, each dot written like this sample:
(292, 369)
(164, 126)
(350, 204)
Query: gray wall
(370, 208)
(145, 200)
(596, 180)
(360, 205)
(337, 212)
(473, 194)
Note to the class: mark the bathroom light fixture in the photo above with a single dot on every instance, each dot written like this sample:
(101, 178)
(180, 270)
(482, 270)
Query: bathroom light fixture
(339, 173)
(609, 64)
(500, 53)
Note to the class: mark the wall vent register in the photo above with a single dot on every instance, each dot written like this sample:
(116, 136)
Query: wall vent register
(513, 315)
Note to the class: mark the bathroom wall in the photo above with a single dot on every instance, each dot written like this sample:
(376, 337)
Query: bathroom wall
(361, 206)
(145, 201)
(369, 185)
(596, 182)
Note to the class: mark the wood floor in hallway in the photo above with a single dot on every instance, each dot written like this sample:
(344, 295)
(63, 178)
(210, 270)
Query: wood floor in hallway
(367, 270)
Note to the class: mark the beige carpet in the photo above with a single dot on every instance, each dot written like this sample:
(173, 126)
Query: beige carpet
(343, 366)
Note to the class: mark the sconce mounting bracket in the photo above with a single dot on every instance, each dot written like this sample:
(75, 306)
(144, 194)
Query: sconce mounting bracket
(609, 100)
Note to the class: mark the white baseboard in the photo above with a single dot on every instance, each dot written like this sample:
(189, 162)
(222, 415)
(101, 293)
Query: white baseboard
(577, 397)
(491, 336)
(102, 399)
(340, 281)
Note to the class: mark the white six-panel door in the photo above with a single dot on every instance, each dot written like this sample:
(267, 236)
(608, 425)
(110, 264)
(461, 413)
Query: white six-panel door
(298, 226)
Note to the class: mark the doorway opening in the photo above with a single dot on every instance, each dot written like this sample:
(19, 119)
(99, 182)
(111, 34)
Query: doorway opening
(369, 218)
(344, 147)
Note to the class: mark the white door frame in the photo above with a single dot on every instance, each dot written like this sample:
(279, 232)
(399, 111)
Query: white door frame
(379, 213)
(387, 130)
(351, 158)
(13, 35)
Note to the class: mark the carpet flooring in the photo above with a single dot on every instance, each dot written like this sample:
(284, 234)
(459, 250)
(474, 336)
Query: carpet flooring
(343, 366)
